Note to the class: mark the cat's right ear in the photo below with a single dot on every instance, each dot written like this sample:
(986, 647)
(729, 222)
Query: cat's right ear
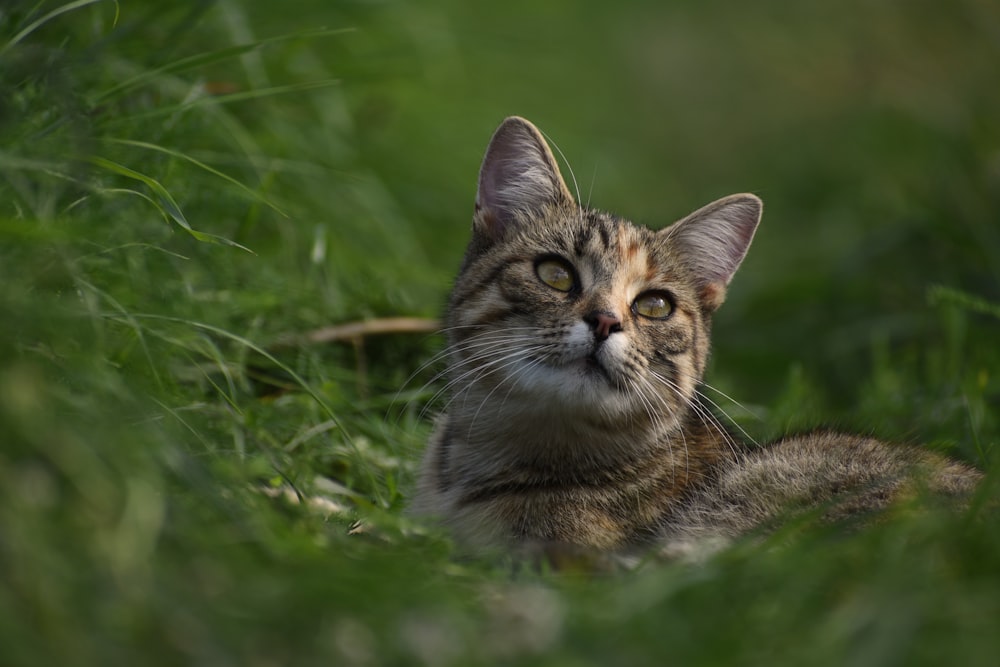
(519, 177)
(714, 240)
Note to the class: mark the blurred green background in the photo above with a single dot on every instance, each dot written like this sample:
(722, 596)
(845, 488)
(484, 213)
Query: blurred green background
(185, 187)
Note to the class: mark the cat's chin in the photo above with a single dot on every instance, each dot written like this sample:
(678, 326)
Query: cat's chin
(582, 384)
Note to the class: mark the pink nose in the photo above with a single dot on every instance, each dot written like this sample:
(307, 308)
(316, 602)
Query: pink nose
(604, 324)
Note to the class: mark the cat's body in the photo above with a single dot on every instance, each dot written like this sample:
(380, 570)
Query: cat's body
(577, 343)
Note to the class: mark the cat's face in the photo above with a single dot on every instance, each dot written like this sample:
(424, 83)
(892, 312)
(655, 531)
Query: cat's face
(562, 310)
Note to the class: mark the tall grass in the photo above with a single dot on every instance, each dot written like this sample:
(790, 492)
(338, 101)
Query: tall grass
(186, 187)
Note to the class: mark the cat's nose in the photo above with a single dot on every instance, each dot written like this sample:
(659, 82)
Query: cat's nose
(603, 323)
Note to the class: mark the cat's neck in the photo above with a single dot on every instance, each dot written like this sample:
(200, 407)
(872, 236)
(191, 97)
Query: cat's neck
(524, 435)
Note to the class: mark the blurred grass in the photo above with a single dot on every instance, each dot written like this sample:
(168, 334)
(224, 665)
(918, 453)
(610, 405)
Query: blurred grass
(148, 146)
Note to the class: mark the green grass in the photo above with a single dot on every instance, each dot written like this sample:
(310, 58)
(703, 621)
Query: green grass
(185, 184)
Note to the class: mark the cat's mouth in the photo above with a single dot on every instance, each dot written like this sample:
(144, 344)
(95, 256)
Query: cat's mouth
(592, 366)
(591, 369)
(587, 364)
(592, 363)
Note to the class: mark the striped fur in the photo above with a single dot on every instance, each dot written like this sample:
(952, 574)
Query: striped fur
(574, 417)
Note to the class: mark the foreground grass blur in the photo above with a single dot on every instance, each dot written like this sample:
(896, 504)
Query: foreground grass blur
(182, 185)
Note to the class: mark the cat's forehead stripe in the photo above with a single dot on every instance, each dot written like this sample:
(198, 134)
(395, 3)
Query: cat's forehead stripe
(591, 233)
(602, 229)
(581, 240)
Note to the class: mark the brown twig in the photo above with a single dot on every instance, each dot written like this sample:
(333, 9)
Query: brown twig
(354, 332)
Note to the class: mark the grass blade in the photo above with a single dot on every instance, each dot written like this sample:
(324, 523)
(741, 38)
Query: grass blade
(938, 294)
(324, 406)
(210, 57)
(212, 100)
(167, 205)
(58, 11)
(256, 196)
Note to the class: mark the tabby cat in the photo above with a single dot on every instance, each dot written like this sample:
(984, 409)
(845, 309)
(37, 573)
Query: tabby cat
(576, 345)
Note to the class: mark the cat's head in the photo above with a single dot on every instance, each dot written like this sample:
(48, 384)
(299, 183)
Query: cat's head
(564, 308)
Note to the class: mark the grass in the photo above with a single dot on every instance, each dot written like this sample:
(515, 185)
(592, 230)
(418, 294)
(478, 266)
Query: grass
(184, 185)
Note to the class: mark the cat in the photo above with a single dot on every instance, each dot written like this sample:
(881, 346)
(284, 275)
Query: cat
(576, 345)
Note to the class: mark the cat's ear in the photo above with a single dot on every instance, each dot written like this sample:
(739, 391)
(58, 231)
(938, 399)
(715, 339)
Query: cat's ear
(519, 177)
(714, 240)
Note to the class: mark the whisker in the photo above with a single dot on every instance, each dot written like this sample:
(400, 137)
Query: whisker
(485, 344)
(731, 420)
(512, 380)
(656, 419)
(678, 421)
(492, 366)
(708, 419)
(593, 179)
(566, 162)
(732, 400)
(724, 413)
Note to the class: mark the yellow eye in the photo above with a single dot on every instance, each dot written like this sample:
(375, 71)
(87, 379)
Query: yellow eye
(556, 273)
(655, 305)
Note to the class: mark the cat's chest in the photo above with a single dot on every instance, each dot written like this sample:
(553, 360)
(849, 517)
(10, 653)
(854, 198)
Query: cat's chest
(604, 508)
(602, 518)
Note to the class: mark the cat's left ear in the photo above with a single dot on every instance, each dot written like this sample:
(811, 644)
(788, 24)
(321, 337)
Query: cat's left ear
(714, 240)
(519, 177)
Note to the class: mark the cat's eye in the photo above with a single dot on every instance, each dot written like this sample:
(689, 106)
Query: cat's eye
(654, 305)
(556, 273)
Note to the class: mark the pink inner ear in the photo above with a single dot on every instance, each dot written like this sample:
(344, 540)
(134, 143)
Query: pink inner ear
(518, 175)
(715, 239)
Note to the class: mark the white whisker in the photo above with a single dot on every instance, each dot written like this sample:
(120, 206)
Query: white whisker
(704, 415)
(509, 378)
(484, 345)
(731, 420)
(731, 400)
(479, 370)
(572, 176)
(593, 180)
